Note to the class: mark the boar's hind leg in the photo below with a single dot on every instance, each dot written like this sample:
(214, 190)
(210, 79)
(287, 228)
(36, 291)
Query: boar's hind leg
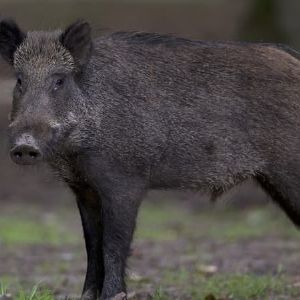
(90, 211)
(284, 188)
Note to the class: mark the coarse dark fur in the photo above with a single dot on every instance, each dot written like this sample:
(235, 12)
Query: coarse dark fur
(127, 112)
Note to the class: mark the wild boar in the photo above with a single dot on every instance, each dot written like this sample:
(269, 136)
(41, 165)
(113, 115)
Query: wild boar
(127, 112)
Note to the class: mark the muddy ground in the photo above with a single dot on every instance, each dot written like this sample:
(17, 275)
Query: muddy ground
(184, 248)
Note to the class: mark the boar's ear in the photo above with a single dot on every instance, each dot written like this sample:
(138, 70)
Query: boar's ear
(77, 39)
(10, 39)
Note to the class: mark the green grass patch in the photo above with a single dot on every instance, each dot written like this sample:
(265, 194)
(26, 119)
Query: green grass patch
(155, 222)
(36, 293)
(229, 286)
(169, 223)
(3, 287)
(26, 231)
(160, 294)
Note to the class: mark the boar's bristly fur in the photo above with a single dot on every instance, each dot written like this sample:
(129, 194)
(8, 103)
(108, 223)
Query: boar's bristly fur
(121, 114)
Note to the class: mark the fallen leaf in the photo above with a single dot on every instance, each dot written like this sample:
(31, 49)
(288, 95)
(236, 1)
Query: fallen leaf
(207, 269)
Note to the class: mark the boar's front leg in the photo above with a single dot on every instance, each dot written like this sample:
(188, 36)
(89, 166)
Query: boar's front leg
(120, 200)
(89, 206)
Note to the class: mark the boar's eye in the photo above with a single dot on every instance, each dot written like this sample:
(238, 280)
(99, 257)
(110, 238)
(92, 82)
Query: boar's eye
(19, 84)
(58, 83)
(19, 81)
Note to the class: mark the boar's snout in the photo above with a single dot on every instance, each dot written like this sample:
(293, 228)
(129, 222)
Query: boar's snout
(25, 153)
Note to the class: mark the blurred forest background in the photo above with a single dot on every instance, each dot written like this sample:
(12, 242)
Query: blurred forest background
(40, 231)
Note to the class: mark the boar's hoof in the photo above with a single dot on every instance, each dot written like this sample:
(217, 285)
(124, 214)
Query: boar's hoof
(88, 295)
(120, 296)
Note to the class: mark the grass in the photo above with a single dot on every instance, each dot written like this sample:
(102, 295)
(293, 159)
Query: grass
(3, 288)
(224, 286)
(228, 286)
(160, 294)
(36, 293)
(158, 223)
(27, 231)
(163, 223)
(168, 223)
